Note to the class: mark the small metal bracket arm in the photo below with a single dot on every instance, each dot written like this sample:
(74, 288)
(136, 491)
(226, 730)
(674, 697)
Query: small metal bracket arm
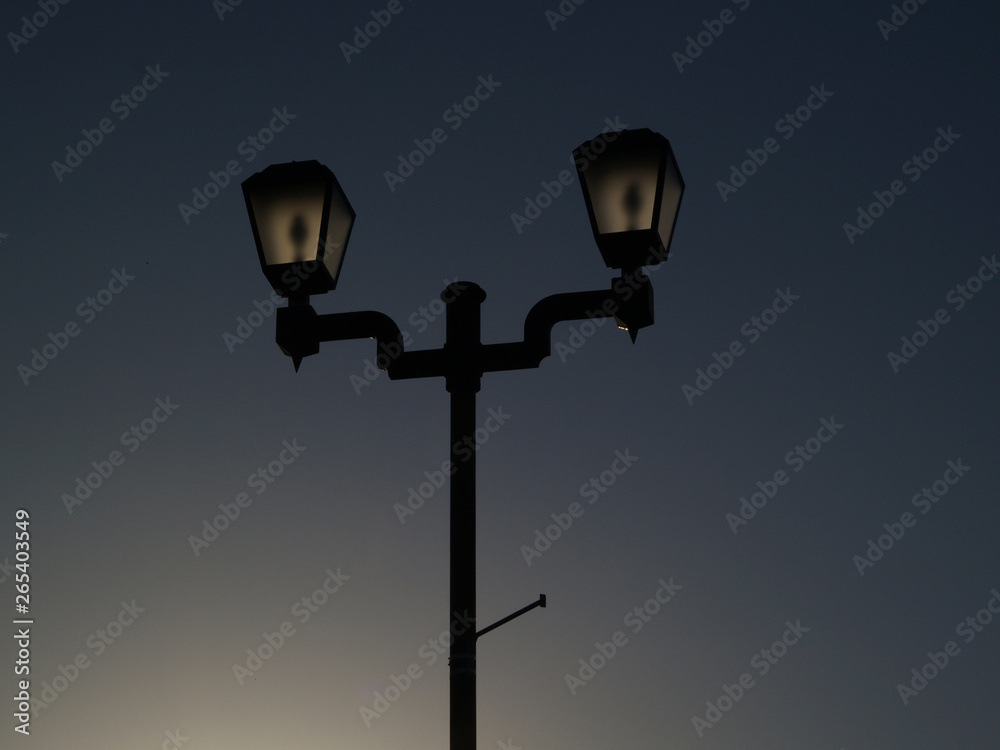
(300, 330)
(508, 618)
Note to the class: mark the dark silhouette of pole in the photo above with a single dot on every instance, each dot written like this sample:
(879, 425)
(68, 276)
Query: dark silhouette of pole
(462, 381)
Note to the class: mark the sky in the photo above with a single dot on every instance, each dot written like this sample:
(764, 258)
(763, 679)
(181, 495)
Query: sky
(769, 523)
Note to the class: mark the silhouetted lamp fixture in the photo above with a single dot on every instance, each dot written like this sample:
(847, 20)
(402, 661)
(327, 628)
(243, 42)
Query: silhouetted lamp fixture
(633, 190)
(301, 222)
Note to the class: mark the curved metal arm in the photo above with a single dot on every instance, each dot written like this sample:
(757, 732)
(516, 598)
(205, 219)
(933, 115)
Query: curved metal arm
(629, 301)
(300, 330)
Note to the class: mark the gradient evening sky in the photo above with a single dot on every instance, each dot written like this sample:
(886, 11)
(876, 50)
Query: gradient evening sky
(167, 678)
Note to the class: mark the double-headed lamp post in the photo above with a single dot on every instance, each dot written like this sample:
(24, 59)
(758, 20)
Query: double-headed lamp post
(301, 223)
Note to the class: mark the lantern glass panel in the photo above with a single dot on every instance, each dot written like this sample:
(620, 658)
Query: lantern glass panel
(670, 203)
(340, 219)
(289, 219)
(623, 192)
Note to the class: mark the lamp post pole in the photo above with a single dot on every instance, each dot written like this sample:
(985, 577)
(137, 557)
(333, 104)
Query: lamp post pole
(301, 222)
(462, 341)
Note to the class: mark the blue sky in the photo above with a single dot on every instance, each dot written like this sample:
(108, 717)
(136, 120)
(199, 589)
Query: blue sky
(783, 496)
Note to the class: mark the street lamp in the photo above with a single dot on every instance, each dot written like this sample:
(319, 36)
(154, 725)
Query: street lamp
(632, 187)
(301, 222)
